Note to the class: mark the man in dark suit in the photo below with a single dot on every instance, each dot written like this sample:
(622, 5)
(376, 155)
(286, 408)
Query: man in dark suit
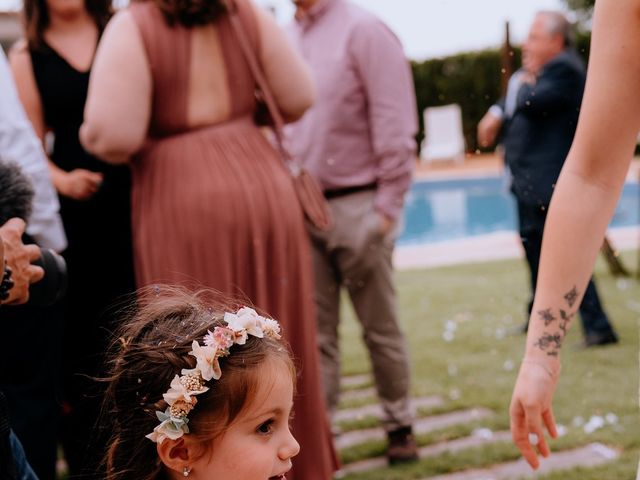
(536, 122)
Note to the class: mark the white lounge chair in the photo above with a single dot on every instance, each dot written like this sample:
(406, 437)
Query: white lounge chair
(443, 139)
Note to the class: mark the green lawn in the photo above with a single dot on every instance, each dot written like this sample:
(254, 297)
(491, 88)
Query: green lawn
(480, 303)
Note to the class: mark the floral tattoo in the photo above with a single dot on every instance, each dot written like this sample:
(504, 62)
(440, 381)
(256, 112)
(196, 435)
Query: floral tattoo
(547, 316)
(571, 297)
(551, 342)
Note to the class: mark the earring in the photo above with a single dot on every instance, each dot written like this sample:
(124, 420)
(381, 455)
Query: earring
(186, 471)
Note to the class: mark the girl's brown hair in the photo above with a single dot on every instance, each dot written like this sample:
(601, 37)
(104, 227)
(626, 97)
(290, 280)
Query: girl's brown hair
(36, 18)
(153, 346)
(191, 12)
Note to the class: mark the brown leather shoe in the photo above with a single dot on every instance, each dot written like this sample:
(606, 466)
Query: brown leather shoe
(402, 446)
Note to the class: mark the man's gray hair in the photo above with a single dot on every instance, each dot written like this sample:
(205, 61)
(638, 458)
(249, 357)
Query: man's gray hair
(557, 24)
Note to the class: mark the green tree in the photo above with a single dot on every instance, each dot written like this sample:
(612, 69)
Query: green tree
(583, 8)
(582, 5)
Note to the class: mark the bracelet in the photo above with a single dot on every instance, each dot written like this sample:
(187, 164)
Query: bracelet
(551, 373)
(6, 284)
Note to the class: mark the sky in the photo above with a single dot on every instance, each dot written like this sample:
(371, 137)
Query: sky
(433, 28)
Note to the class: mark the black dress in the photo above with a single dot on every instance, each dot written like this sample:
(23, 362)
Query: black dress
(99, 254)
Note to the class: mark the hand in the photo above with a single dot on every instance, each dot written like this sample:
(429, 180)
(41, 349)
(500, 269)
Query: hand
(79, 184)
(19, 257)
(488, 129)
(530, 407)
(386, 224)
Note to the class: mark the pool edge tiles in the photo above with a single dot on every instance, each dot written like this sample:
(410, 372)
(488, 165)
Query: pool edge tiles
(487, 248)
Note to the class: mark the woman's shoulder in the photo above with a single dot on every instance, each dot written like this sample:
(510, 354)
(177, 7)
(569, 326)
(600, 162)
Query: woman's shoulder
(20, 58)
(19, 50)
(124, 23)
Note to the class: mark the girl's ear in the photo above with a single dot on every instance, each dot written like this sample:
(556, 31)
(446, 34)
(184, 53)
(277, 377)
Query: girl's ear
(177, 455)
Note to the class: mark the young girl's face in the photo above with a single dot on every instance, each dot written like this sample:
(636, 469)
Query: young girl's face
(258, 445)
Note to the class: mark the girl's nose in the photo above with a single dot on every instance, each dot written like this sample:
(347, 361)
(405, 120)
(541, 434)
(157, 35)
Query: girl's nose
(290, 447)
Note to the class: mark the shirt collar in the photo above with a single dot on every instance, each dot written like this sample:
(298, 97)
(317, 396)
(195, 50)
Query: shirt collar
(311, 16)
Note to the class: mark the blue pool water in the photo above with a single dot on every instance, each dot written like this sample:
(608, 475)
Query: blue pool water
(451, 209)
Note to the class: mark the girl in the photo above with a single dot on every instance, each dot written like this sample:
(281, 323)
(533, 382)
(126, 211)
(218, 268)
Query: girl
(210, 390)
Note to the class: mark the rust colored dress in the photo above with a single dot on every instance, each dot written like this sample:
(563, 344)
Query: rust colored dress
(215, 206)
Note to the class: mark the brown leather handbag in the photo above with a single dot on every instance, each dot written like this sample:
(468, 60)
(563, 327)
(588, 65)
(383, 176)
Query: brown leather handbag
(312, 200)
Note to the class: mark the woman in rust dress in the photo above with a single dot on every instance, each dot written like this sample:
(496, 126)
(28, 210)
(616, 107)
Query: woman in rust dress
(212, 202)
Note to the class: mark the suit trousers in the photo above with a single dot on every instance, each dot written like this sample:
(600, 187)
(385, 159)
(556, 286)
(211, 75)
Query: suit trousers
(532, 219)
(356, 256)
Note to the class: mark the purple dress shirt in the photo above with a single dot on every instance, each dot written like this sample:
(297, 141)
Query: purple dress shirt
(361, 128)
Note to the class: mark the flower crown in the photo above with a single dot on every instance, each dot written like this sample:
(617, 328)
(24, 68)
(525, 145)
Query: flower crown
(181, 397)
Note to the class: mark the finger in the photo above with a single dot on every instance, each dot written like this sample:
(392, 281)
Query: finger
(520, 435)
(521, 440)
(550, 423)
(95, 178)
(535, 426)
(15, 224)
(35, 273)
(18, 295)
(32, 252)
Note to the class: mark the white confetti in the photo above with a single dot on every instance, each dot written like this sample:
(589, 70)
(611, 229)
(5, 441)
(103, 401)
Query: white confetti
(483, 433)
(595, 423)
(611, 418)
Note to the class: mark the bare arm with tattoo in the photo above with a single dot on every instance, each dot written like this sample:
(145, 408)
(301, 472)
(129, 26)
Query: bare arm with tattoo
(583, 203)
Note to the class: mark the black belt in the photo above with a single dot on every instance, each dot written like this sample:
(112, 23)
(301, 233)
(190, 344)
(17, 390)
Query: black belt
(341, 192)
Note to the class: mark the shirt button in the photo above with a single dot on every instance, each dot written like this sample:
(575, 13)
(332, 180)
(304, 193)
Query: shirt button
(331, 161)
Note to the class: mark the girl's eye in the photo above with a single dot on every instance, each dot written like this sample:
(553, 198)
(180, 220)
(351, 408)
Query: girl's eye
(266, 427)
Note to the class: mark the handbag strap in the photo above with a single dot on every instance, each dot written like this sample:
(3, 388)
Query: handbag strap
(263, 91)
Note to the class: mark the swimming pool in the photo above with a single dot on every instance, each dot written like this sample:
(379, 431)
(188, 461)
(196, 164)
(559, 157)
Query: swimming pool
(440, 210)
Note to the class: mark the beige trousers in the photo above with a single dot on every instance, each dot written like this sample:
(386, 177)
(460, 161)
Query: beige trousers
(354, 255)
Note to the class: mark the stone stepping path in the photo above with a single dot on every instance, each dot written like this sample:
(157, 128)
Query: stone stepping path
(590, 455)
(360, 394)
(375, 410)
(357, 388)
(422, 425)
(430, 451)
(353, 381)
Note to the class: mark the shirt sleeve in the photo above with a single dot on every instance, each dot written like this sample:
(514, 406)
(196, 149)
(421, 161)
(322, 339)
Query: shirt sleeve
(20, 145)
(387, 79)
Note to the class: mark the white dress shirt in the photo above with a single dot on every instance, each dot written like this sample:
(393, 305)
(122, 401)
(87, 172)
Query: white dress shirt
(20, 145)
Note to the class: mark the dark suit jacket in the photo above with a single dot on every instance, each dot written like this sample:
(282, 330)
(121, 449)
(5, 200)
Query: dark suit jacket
(538, 135)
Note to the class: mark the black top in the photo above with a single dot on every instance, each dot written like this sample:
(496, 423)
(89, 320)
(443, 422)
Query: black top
(103, 221)
(99, 258)
(538, 136)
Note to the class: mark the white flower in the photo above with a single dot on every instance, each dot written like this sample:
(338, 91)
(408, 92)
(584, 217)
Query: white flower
(245, 322)
(169, 427)
(271, 328)
(207, 361)
(179, 391)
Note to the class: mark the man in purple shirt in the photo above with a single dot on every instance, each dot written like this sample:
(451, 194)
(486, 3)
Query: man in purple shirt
(358, 141)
